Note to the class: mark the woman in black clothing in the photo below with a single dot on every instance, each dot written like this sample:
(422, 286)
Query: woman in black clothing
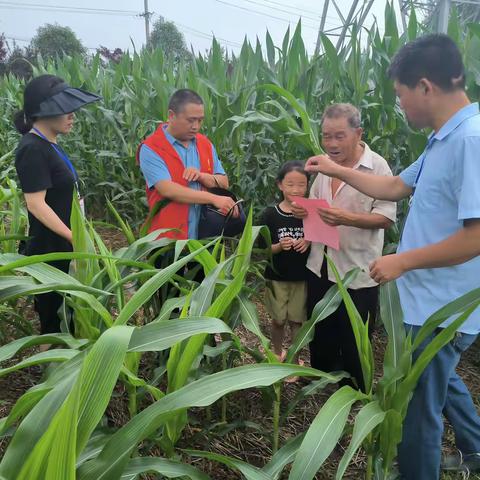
(47, 176)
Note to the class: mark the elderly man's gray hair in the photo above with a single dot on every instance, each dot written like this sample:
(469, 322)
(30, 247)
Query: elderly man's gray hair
(343, 110)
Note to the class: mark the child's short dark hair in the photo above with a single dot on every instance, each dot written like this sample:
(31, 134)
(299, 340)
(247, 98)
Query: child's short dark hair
(292, 166)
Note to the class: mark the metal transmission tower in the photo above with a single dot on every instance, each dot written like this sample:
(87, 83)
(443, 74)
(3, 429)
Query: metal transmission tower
(357, 13)
(436, 13)
(423, 9)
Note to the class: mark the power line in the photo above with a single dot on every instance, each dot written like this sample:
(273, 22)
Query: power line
(265, 14)
(132, 13)
(61, 8)
(28, 40)
(298, 9)
(191, 30)
(104, 11)
(281, 10)
(294, 10)
(209, 36)
(18, 39)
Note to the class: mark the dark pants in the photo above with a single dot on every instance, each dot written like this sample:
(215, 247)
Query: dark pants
(333, 346)
(47, 304)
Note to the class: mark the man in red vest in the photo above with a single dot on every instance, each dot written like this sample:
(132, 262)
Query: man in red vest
(180, 164)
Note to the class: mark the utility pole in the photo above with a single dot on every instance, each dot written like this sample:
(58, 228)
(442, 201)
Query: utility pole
(402, 7)
(443, 16)
(322, 26)
(147, 14)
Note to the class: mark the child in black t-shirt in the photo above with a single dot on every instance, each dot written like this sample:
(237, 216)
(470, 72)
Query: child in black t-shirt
(286, 296)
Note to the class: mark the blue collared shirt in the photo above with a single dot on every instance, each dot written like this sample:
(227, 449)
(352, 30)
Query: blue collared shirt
(155, 169)
(446, 182)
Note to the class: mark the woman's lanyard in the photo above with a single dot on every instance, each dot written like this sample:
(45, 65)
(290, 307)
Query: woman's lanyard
(63, 156)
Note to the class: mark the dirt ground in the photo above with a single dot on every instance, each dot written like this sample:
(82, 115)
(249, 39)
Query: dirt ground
(247, 435)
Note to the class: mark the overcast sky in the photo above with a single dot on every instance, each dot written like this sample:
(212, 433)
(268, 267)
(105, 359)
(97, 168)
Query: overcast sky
(115, 23)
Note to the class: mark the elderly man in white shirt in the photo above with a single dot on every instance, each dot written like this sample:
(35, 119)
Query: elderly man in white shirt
(361, 221)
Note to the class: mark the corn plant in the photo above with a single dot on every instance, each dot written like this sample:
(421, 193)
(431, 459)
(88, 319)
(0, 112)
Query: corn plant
(383, 406)
(261, 108)
(69, 403)
(13, 221)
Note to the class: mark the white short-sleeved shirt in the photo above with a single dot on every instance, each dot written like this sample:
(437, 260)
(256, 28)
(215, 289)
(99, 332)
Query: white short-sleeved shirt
(358, 246)
(446, 182)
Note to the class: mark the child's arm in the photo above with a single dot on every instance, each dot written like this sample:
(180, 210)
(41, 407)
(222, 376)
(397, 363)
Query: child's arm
(276, 248)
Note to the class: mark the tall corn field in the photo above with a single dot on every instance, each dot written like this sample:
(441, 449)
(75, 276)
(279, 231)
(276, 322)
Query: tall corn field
(262, 106)
(176, 365)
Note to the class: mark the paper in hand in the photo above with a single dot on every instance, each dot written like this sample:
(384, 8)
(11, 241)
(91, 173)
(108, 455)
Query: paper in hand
(314, 228)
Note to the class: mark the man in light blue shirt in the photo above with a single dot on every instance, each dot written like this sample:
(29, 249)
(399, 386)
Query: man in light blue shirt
(438, 259)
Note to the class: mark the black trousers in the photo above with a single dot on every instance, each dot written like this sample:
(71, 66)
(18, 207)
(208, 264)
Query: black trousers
(333, 346)
(47, 304)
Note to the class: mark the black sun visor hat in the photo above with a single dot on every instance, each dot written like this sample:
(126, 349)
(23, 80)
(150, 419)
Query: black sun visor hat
(49, 96)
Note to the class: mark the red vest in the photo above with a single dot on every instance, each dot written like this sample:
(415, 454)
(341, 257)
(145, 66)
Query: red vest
(174, 215)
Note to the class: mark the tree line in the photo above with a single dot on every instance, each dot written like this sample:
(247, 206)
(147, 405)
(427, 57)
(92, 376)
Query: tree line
(53, 41)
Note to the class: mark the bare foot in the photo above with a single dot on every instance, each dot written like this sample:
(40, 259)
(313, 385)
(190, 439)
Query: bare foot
(282, 356)
(295, 379)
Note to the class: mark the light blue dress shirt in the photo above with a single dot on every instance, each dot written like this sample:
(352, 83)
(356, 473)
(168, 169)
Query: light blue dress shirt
(446, 182)
(155, 169)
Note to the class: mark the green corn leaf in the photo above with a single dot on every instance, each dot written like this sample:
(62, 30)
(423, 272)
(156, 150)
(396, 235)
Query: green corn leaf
(392, 319)
(159, 336)
(146, 291)
(125, 227)
(283, 457)
(76, 419)
(406, 387)
(12, 348)
(45, 401)
(57, 355)
(360, 331)
(453, 308)
(250, 320)
(311, 389)
(248, 471)
(113, 458)
(323, 309)
(202, 296)
(324, 433)
(390, 435)
(163, 466)
(368, 418)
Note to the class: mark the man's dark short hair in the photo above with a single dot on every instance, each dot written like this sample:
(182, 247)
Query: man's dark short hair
(182, 97)
(435, 57)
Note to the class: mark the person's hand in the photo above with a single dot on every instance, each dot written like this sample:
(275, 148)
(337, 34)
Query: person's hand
(387, 268)
(286, 243)
(301, 245)
(191, 174)
(224, 204)
(335, 216)
(298, 211)
(321, 164)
